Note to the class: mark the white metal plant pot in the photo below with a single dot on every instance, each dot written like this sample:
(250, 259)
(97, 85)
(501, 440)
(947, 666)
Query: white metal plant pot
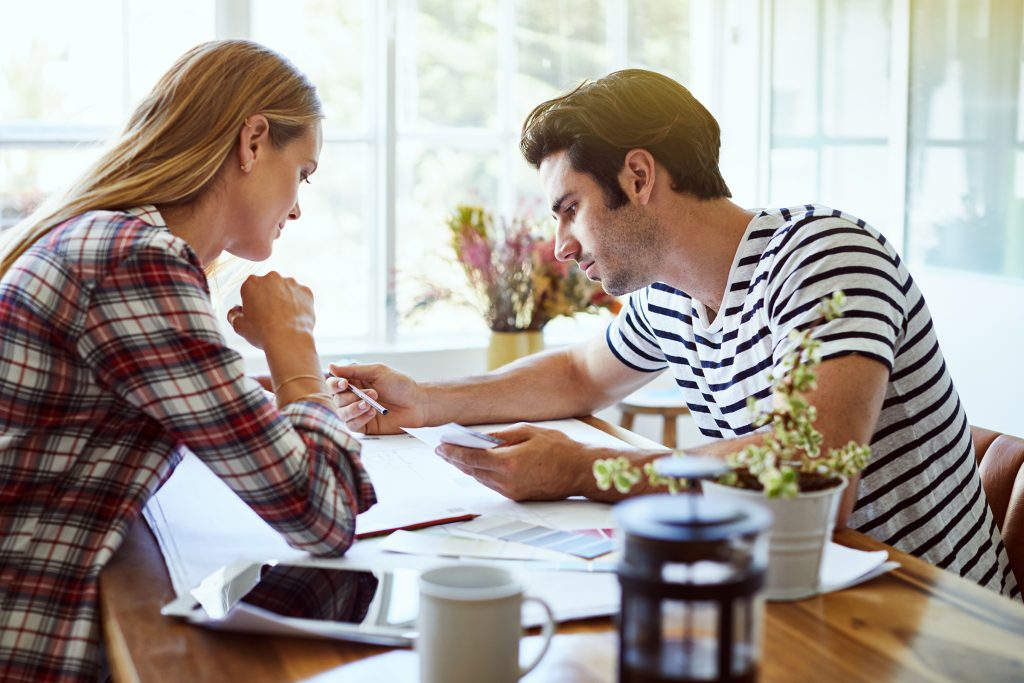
(802, 527)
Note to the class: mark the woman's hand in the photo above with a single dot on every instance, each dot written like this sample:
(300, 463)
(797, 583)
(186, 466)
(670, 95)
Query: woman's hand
(274, 308)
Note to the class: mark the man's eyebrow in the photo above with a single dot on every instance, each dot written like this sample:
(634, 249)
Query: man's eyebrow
(556, 208)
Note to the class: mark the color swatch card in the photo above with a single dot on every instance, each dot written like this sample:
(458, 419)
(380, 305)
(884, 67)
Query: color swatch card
(588, 544)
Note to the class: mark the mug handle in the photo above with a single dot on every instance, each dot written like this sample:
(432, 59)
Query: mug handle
(547, 630)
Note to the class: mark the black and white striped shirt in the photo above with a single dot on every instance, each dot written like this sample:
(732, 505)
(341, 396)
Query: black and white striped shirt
(921, 492)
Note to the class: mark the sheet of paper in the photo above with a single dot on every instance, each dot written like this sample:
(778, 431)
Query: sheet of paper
(843, 567)
(412, 481)
(201, 525)
(409, 484)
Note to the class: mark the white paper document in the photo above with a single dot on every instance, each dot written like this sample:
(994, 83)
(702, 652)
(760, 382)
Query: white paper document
(842, 567)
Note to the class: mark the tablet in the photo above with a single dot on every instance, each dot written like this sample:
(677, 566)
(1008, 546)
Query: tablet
(371, 606)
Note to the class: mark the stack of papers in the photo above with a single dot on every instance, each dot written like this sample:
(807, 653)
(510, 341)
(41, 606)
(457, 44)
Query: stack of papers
(201, 525)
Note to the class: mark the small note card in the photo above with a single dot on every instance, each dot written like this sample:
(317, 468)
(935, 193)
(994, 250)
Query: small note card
(457, 435)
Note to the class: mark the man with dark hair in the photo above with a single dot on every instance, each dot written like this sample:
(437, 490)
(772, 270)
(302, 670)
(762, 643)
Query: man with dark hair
(630, 166)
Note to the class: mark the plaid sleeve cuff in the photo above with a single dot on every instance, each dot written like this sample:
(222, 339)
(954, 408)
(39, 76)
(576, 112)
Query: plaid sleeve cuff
(314, 417)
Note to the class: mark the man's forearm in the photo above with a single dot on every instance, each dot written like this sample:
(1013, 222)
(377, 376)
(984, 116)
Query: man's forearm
(544, 386)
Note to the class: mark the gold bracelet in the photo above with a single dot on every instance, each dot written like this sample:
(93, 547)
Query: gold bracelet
(277, 387)
(317, 396)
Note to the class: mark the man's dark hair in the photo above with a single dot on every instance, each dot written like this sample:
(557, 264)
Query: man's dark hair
(599, 122)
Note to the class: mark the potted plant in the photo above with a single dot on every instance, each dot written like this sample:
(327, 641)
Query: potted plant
(786, 472)
(515, 281)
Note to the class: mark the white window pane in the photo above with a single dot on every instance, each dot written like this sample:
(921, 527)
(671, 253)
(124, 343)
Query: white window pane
(964, 209)
(61, 62)
(431, 182)
(960, 70)
(158, 34)
(447, 55)
(794, 68)
(954, 218)
(856, 68)
(328, 248)
(857, 180)
(794, 177)
(327, 40)
(558, 44)
(27, 176)
(659, 37)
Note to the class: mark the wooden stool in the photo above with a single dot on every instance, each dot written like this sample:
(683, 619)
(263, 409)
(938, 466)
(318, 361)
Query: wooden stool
(668, 403)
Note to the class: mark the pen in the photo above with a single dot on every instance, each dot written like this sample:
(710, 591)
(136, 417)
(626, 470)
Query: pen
(373, 404)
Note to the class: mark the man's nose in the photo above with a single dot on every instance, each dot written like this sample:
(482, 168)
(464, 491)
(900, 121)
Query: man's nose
(566, 246)
(295, 212)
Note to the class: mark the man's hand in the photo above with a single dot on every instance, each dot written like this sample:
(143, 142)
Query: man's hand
(405, 400)
(534, 464)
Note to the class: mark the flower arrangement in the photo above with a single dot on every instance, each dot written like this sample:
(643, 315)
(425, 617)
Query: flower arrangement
(515, 279)
(788, 460)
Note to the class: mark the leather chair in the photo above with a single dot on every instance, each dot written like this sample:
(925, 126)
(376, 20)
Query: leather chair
(1001, 461)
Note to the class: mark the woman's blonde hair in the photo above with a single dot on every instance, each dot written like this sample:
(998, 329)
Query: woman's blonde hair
(181, 133)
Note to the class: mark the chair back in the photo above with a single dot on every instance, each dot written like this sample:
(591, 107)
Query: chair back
(1000, 459)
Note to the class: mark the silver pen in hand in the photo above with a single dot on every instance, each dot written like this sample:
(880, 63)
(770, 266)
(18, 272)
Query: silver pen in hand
(369, 401)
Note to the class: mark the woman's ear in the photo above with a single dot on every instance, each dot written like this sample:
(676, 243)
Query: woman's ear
(252, 138)
(637, 175)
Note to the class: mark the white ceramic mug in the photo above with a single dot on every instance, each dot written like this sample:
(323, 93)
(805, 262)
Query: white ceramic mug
(470, 624)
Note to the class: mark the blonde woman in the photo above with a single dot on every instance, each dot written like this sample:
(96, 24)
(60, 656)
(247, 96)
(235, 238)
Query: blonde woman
(111, 362)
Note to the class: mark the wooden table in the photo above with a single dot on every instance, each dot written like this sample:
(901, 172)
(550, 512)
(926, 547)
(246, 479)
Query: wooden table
(918, 623)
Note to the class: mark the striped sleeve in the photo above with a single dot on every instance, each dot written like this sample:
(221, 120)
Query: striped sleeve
(631, 338)
(151, 335)
(819, 256)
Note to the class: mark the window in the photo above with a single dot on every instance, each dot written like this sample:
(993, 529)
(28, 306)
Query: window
(907, 113)
(442, 108)
(66, 86)
(831, 110)
(966, 136)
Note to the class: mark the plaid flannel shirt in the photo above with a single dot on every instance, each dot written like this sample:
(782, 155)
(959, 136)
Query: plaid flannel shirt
(111, 364)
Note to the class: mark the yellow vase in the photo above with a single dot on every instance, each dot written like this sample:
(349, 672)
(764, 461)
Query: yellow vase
(506, 347)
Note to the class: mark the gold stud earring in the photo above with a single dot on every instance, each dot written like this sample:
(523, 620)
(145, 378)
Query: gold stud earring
(246, 167)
